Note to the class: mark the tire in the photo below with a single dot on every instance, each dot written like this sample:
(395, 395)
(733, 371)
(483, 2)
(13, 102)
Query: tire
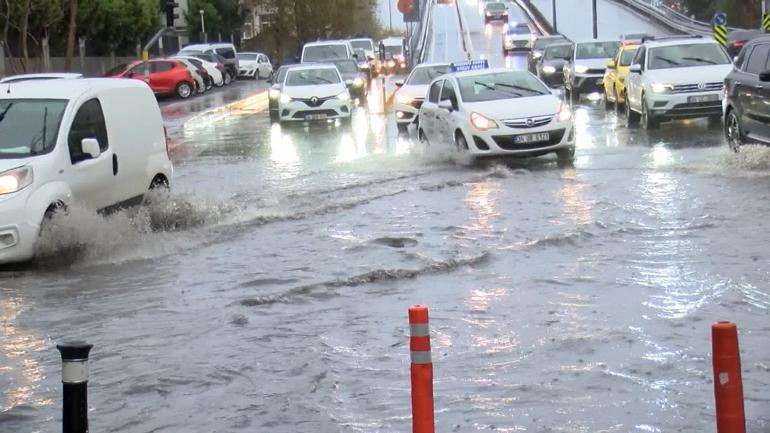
(228, 78)
(632, 117)
(733, 131)
(220, 83)
(565, 158)
(461, 143)
(159, 183)
(648, 121)
(209, 83)
(403, 128)
(184, 90)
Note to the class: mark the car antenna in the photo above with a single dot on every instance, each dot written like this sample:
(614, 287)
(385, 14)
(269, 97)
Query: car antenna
(8, 92)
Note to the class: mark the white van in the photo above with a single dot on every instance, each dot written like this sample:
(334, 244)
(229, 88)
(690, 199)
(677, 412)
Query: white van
(322, 51)
(96, 142)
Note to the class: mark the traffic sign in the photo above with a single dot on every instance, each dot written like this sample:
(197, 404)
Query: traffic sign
(720, 19)
(766, 23)
(720, 28)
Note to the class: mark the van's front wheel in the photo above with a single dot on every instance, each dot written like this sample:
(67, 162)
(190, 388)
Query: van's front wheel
(184, 90)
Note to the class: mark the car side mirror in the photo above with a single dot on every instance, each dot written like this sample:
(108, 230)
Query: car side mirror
(446, 105)
(90, 146)
(635, 69)
(348, 83)
(611, 64)
(764, 76)
(735, 59)
(400, 83)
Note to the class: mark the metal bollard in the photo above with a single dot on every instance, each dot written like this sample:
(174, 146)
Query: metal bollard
(74, 357)
(728, 385)
(421, 369)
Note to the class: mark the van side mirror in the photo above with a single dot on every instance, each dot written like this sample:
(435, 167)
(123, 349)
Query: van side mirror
(400, 83)
(90, 146)
(635, 69)
(764, 76)
(446, 105)
(611, 64)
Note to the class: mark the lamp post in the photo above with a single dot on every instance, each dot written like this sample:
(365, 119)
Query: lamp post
(203, 26)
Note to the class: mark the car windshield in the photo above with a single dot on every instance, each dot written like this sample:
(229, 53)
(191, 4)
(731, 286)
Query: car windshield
(424, 75)
(687, 55)
(281, 74)
(29, 126)
(312, 77)
(500, 85)
(627, 56)
(520, 29)
(495, 7)
(393, 50)
(596, 50)
(317, 53)
(541, 43)
(557, 52)
(247, 57)
(346, 66)
(362, 45)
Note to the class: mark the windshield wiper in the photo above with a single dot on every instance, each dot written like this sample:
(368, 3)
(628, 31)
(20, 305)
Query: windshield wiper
(494, 89)
(514, 86)
(2, 115)
(669, 61)
(323, 80)
(700, 59)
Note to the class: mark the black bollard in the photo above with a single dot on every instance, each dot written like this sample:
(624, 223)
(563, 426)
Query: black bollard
(74, 357)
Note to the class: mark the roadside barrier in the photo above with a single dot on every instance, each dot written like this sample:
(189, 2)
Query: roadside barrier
(74, 377)
(421, 369)
(728, 385)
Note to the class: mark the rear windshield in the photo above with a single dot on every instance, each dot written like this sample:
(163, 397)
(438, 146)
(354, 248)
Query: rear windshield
(520, 29)
(627, 56)
(362, 45)
(596, 50)
(495, 7)
(312, 77)
(317, 53)
(500, 85)
(29, 127)
(247, 57)
(227, 53)
(393, 50)
(687, 55)
(346, 66)
(424, 75)
(557, 52)
(541, 43)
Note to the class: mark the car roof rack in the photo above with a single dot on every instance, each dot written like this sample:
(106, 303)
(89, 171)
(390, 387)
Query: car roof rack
(670, 38)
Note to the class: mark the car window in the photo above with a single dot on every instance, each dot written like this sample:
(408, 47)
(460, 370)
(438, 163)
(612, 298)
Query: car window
(596, 50)
(312, 77)
(362, 45)
(346, 66)
(496, 7)
(162, 66)
(138, 69)
(88, 123)
(247, 57)
(757, 62)
(520, 29)
(227, 53)
(29, 126)
(448, 92)
(639, 58)
(541, 43)
(557, 52)
(423, 75)
(317, 53)
(686, 55)
(281, 74)
(626, 56)
(197, 63)
(435, 91)
(500, 85)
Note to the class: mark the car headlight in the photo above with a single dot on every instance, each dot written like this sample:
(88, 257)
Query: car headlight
(344, 96)
(285, 99)
(481, 122)
(549, 69)
(358, 82)
(580, 69)
(565, 113)
(391, 63)
(403, 99)
(364, 66)
(15, 180)
(274, 93)
(661, 87)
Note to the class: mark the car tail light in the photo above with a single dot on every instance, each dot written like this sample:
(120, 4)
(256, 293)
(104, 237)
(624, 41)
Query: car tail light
(738, 44)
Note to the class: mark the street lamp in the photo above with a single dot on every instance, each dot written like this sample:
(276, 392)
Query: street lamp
(203, 26)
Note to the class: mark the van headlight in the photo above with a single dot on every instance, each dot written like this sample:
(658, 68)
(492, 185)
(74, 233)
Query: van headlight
(482, 122)
(344, 96)
(581, 69)
(549, 69)
(565, 113)
(15, 180)
(285, 99)
(661, 87)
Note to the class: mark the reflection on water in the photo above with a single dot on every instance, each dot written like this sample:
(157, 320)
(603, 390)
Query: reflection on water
(484, 200)
(572, 195)
(283, 153)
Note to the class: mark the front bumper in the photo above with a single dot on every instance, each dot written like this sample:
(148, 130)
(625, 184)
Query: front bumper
(18, 236)
(496, 17)
(588, 83)
(685, 105)
(247, 72)
(517, 44)
(407, 113)
(502, 140)
(303, 111)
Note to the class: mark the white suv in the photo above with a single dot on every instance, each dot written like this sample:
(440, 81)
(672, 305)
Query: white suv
(676, 78)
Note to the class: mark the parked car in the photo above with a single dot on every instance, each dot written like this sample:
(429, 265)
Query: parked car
(167, 76)
(541, 42)
(214, 70)
(355, 79)
(747, 92)
(96, 142)
(227, 51)
(202, 81)
(615, 77)
(584, 73)
(550, 67)
(38, 77)
(676, 78)
(219, 61)
(254, 65)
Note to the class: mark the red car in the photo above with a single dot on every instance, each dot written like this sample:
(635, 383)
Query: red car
(167, 76)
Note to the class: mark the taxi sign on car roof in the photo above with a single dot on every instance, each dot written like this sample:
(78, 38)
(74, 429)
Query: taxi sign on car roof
(473, 65)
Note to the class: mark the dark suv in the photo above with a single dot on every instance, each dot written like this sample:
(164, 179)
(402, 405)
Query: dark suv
(747, 88)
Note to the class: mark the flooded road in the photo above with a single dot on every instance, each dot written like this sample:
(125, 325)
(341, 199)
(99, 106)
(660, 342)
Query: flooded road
(268, 292)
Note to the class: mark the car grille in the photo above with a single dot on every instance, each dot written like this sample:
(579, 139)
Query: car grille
(690, 88)
(595, 71)
(304, 114)
(309, 101)
(523, 122)
(506, 142)
(695, 109)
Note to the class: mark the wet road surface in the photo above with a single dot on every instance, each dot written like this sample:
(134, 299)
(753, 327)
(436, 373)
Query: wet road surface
(269, 291)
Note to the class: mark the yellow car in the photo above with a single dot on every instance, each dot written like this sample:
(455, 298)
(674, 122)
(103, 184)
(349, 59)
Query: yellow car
(615, 76)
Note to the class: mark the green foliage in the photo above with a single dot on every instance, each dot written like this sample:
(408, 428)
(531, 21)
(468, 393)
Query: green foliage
(219, 16)
(740, 13)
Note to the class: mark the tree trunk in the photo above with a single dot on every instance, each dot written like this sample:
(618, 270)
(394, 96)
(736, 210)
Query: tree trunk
(23, 30)
(71, 34)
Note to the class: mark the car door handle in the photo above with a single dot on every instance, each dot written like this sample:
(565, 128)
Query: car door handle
(114, 164)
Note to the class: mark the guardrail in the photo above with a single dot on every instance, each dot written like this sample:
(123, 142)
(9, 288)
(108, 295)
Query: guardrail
(669, 18)
(536, 17)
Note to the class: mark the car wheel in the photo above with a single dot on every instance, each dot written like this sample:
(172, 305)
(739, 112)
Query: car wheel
(422, 138)
(565, 157)
(228, 78)
(403, 128)
(184, 90)
(632, 117)
(649, 121)
(220, 83)
(733, 131)
(461, 142)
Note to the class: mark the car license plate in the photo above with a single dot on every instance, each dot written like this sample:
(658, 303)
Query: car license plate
(315, 117)
(703, 98)
(532, 138)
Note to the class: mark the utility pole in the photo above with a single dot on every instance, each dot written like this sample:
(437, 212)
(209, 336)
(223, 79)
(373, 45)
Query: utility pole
(390, 15)
(553, 10)
(203, 26)
(596, 28)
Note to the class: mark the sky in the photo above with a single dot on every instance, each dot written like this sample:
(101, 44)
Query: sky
(398, 21)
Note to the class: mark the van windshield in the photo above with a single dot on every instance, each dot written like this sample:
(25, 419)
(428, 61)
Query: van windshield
(29, 127)
(318, 53)
(312, 77)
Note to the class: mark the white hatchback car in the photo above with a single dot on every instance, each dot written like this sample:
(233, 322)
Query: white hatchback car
(411, 93)
(676, 78)
(314, 92)
(254, 65)
(95, 142)
(492, 112)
